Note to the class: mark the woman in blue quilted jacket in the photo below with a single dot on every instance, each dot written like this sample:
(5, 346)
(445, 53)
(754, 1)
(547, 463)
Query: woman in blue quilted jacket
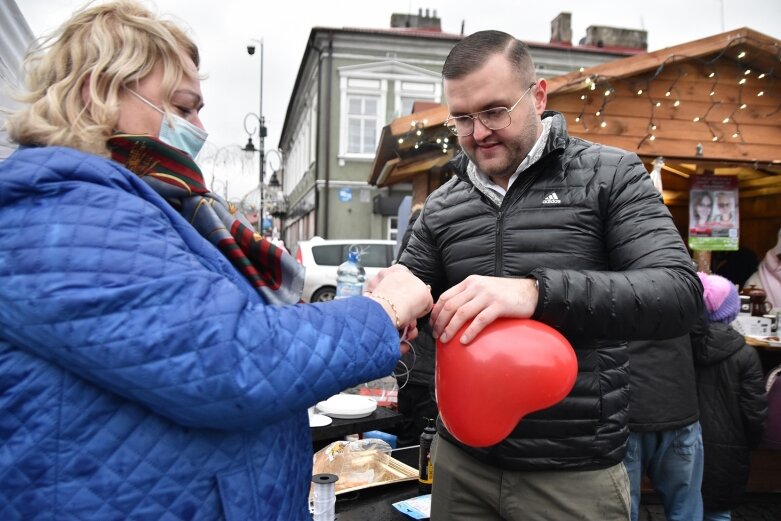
(154, 360)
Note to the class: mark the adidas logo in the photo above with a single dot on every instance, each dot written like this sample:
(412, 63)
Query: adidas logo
(551, 198)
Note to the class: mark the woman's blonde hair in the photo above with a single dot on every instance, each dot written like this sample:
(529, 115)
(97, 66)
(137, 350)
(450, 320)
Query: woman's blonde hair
(104, 47)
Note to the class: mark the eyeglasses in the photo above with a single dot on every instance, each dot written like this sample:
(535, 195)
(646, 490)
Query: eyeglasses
(495, 118)
(723, 205)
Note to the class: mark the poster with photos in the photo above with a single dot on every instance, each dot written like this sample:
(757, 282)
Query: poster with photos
(714, 218)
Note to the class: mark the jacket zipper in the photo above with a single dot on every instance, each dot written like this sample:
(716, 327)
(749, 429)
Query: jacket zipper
(527, 180)
(499, 243)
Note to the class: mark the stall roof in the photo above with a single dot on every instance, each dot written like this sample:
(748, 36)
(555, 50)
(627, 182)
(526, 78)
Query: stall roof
(715, 100)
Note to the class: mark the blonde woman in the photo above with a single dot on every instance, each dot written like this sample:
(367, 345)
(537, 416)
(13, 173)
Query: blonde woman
(153, 361)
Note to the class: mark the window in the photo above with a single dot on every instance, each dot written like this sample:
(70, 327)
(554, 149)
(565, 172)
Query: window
(408, 92)
(365, 106)
(329, 255)
(363, 101)
(362, 124)
(393, 228)
(371, 255)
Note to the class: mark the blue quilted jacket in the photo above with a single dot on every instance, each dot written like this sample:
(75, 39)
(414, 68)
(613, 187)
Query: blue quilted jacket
(141, 377)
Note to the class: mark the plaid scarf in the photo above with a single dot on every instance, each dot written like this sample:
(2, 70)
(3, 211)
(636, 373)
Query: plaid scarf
(174, 175)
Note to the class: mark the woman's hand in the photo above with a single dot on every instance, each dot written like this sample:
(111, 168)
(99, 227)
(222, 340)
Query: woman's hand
(403, 296)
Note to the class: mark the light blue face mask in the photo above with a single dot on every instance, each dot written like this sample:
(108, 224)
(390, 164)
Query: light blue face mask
(179, 133)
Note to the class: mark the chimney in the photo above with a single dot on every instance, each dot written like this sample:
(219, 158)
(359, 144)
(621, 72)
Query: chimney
(425, 22)
(602, 36)
(561, 29)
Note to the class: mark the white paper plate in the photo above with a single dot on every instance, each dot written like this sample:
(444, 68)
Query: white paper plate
(347, 406)
(319, 420)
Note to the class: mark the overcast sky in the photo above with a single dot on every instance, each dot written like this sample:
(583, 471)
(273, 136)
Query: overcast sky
(222, 29)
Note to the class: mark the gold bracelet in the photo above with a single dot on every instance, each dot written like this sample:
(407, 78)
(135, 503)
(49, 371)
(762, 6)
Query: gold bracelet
(393, 308)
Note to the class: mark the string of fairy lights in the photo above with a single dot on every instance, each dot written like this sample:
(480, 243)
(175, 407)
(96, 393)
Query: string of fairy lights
(422, 139)
(760, 83)
(751, 84)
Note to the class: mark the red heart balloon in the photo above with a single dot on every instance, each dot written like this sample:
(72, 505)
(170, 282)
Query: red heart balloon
(512, 368)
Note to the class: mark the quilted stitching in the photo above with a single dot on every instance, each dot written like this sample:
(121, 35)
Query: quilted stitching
(137, 366)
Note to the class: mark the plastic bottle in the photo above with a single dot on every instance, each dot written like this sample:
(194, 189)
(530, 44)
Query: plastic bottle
(425, 466)
(350, 276)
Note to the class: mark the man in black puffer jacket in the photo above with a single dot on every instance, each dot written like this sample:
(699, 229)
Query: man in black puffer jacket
(415, 372)
(539, 224)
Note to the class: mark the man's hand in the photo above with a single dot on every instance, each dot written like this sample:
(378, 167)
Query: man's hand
(483, 299)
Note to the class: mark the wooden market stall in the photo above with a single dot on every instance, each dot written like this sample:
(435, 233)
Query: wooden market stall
(707, 107)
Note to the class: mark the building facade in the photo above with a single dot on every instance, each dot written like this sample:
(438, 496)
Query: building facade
(15, 37)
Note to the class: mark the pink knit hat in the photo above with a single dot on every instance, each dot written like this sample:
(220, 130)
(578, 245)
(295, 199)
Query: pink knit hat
(721, 298)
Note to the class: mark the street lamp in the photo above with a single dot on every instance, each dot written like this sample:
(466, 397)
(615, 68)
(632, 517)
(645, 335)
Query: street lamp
(276, 192)
(261, 129)
(250, 147)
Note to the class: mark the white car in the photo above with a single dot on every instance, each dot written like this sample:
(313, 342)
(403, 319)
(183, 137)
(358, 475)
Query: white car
(322, 257)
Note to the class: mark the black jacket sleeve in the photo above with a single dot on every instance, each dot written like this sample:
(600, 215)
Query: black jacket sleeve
(753, 398)
(650, 290)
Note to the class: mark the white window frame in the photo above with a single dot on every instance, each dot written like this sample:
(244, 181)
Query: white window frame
(416, 90)
(373, 79)
(366, 120)
(393, 231)
(358, 86)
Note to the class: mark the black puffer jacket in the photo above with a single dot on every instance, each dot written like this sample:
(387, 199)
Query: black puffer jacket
(733, 410)
(663, 386)
(610, 265)
(419, 362)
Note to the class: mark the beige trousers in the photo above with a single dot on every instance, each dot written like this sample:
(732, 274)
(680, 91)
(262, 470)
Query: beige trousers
(468, 490)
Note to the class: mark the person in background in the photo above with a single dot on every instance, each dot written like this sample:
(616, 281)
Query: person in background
(538, 224)
(416, 375)
(153, 364)
(768, 276)
(665, 438)
(732, 397)
(735, 266)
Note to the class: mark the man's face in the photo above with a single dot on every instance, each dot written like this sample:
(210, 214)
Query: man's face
(497, 153)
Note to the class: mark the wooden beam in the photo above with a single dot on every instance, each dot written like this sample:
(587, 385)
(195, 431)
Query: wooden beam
(704, 108)
(432, 117)
(760, 182)
(676, 171)
(685, 149)
(773, 190)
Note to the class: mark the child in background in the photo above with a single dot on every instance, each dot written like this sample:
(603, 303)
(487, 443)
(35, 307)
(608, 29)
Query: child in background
(733, 402)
